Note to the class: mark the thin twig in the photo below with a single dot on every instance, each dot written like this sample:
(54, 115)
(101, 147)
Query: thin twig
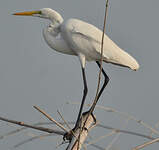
(100, 71)
(97, 146)
(32, 139)
(98, 125)
(33, 127)
(130, 117)
(101, 60)
(116, 137)
(148, 127)
(67, 125)
(156, 127)
(127, 132)
(47, 135)
(64, 120)
(146, 144)
(102, 137)
(35, 124)
(124, 114)
(51, 119)
(61, 133)
(12, 132)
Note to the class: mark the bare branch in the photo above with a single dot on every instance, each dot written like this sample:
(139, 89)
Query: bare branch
(33, 127)
(127, 132)
(124, 114)
(146, 144)
(102, 137)
(99, 76)
(86, 124)
(51, 119)
(116, 137)
(26, 126)
(46, 135)
(68, 125)
(101, 60)
(64, 120)
(130, 117)
(32, 139)
(71, 122)
(35, 124)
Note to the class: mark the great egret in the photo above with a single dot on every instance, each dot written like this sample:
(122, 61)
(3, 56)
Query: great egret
(75, 37)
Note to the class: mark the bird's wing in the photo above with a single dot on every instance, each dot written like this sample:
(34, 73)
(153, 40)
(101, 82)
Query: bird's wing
(85, 38)
(82, 37)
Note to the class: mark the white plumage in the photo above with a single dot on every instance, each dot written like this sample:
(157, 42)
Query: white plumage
(76, 37)
(85, 39)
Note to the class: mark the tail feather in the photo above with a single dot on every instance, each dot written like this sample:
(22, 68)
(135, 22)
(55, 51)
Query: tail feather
(122, 58)
(115, 55)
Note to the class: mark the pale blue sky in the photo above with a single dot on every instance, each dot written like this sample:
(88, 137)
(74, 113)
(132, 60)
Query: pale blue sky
(33, 74)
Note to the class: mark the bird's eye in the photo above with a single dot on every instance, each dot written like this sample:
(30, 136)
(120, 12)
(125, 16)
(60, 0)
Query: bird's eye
(50, 26)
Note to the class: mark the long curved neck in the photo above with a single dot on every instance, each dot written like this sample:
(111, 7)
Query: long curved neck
(54, 17)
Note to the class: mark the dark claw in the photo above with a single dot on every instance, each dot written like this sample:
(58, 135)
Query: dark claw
(68, 136)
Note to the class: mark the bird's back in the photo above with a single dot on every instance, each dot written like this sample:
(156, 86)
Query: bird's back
(86, 38)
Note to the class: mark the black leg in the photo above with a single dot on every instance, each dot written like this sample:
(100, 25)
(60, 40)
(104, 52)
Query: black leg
(106, 80)
(84, 96)
(68, 136)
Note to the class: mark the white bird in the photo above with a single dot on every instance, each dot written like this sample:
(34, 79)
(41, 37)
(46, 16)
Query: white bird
(76, 37)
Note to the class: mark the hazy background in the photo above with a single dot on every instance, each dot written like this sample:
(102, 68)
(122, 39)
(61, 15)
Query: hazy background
(33, 74)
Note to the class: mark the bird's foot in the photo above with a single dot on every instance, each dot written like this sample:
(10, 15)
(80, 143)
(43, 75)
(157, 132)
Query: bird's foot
(85, 114)
(69, 135)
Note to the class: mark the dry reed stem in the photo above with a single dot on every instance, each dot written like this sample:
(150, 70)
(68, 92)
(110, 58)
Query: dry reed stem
(98, 125)
(51, 119)
(116, 137)
(99, 76)
(67, 124)
(24, 128)
(64, 120)
(101, 60)
(33, 127)
(146, 144)
(32, 139)
(124, 114)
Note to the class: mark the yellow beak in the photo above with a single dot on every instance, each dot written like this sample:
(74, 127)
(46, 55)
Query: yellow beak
(27, 13)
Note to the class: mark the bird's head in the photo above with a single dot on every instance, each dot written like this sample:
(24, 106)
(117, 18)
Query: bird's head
(46, 13)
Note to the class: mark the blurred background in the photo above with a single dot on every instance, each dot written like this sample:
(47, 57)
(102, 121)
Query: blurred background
(33, 74)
